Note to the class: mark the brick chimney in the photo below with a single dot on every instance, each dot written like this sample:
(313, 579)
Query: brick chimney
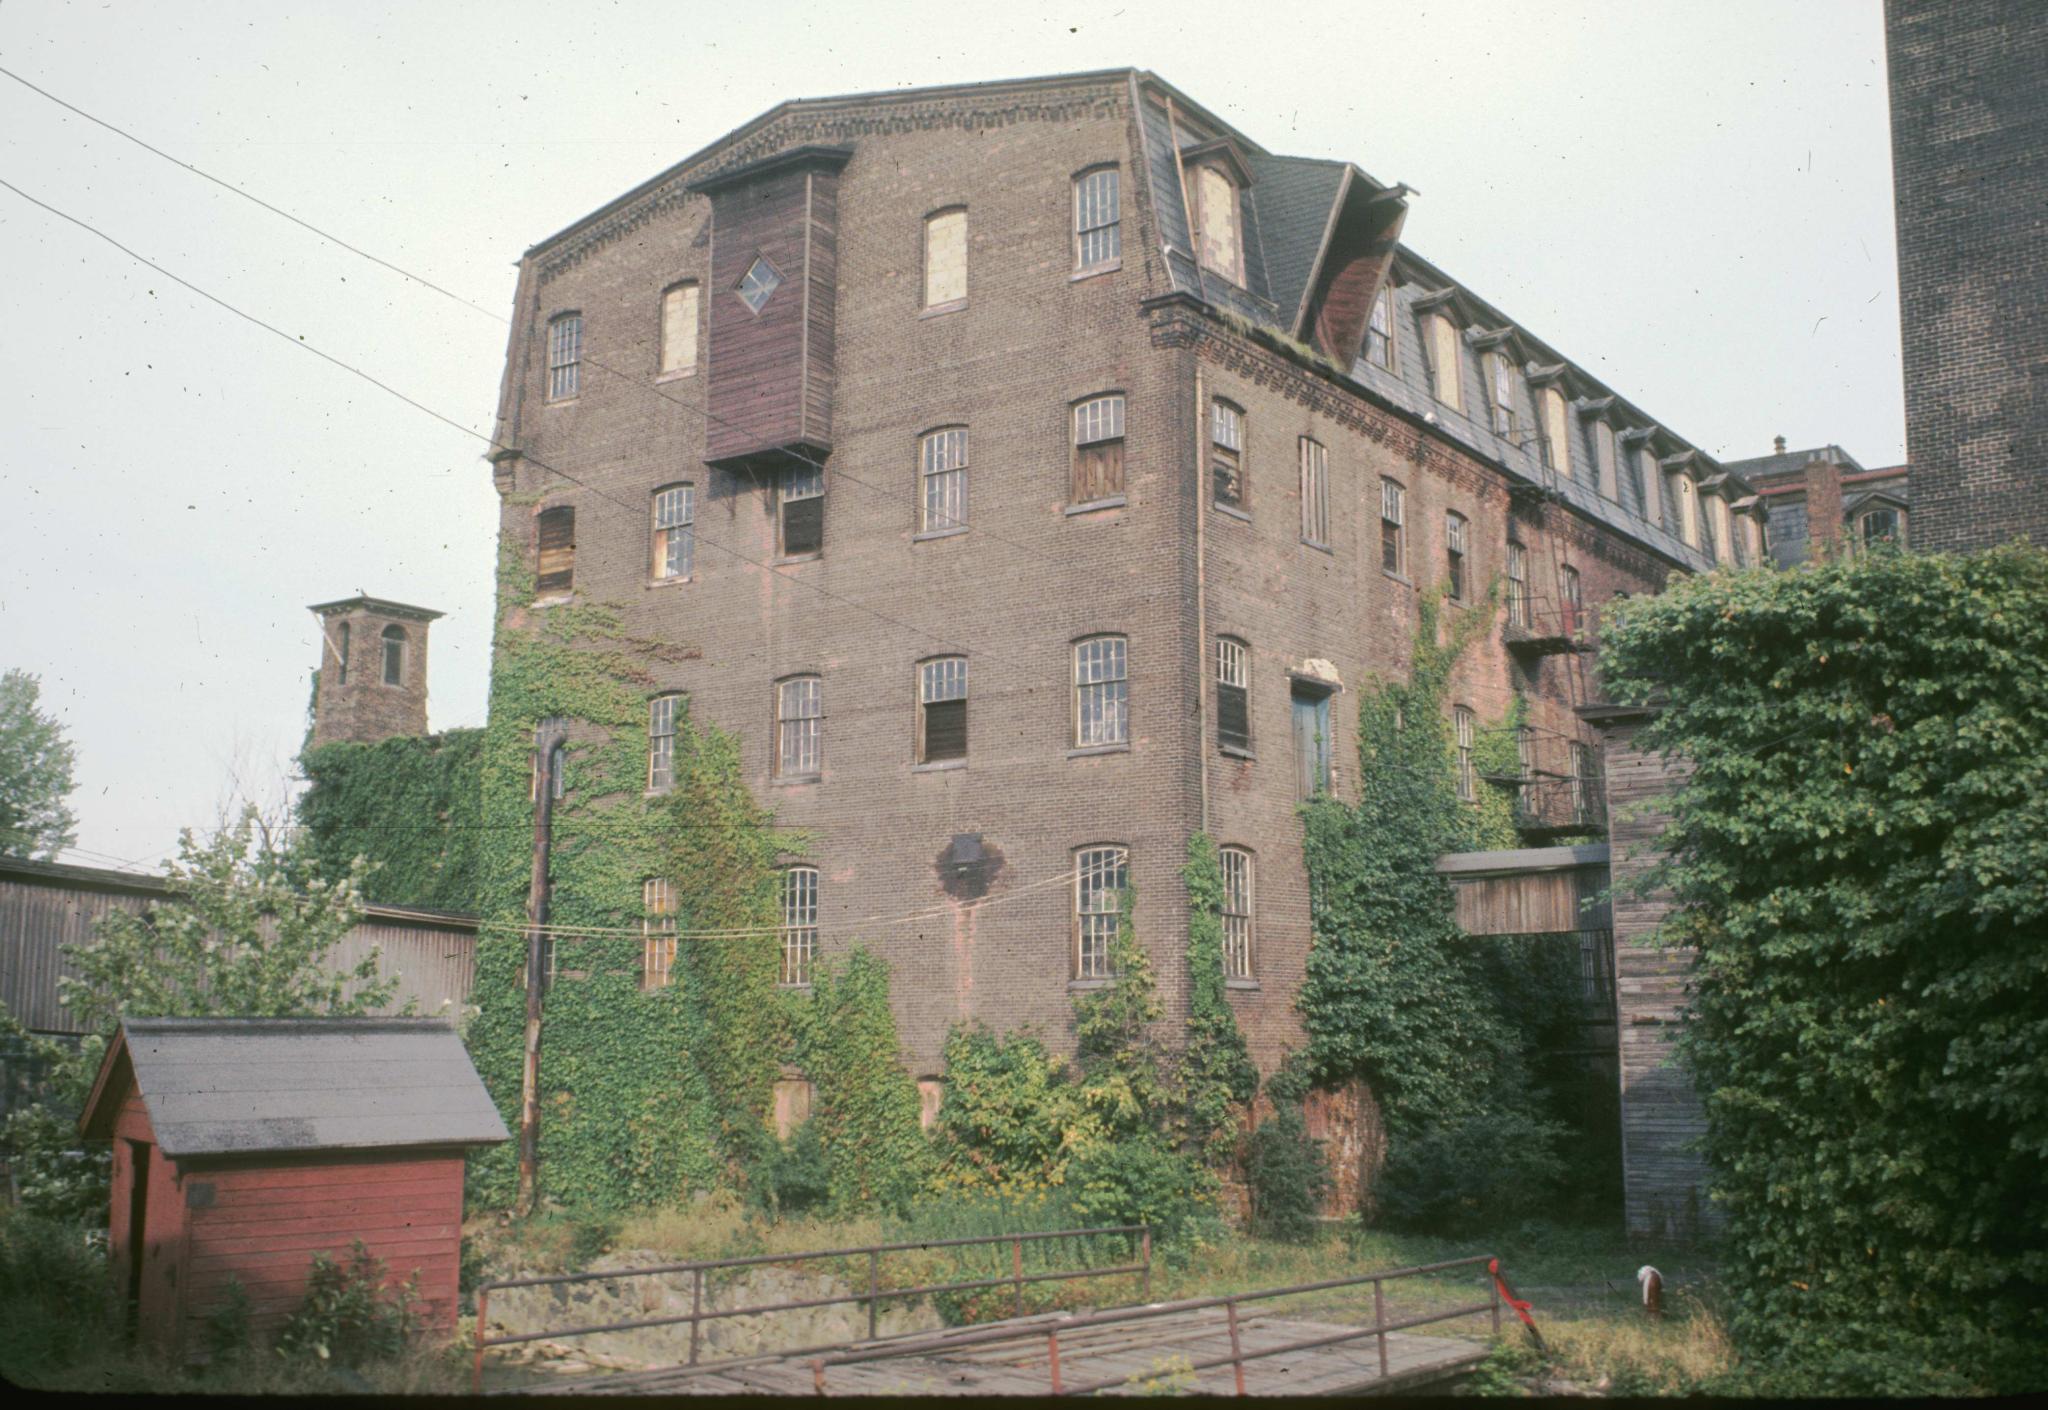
(372, 681)
(1823, 506)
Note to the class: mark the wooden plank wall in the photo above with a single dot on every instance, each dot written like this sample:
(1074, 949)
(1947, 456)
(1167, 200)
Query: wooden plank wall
(1664, 1180)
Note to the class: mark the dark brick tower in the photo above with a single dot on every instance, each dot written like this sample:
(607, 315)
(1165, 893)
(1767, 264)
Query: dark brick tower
(1969, 98)
(372, 680)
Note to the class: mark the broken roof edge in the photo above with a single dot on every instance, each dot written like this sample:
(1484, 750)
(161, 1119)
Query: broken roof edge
(388, 606)
(1522, 859)
(142, 883)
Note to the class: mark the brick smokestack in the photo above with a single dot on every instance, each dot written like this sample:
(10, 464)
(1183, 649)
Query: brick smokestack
(1823, 505)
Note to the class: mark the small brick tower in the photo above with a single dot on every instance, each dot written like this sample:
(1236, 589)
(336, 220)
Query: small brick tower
(372, 680)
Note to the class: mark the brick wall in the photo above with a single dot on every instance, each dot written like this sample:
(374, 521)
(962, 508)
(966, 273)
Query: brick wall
(1969, 99)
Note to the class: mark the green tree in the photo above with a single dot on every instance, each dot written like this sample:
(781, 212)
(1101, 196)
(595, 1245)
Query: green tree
(35, 773)
(236, 934)
(1860, 856)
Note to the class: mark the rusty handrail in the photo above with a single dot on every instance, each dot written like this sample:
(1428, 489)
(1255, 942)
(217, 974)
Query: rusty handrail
(873, 1296)
(1052, 1327)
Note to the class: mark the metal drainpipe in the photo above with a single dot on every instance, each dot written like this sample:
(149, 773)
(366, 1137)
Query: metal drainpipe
(1201, 602)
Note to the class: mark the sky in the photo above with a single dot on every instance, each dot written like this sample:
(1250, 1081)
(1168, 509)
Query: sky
(1692, 201)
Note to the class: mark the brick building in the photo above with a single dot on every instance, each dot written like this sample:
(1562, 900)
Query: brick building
(1969, 99)
(371, 683)
(1031, 474)
(1817, 500)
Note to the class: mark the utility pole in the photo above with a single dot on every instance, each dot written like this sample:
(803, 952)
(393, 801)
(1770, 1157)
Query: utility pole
(546, 736)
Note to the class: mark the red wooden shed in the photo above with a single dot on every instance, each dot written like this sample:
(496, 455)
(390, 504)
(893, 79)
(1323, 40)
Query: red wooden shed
(243, 1146)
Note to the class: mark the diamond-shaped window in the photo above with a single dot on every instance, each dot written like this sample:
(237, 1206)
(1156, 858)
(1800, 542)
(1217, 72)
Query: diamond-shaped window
(761, 280)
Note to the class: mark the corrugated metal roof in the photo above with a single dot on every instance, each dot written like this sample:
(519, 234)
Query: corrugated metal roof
(232, 1086)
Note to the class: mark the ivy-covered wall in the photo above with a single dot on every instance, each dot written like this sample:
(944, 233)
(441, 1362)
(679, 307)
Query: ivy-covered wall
(412, 805)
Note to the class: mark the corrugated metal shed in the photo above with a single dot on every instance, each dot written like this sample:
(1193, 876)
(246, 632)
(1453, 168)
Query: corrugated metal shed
(236, 1086)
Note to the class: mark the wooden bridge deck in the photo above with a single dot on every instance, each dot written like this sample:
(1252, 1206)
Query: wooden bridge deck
(1135, 1353)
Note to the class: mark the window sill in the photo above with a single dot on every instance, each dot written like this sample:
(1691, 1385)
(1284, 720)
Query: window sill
(1089, 751)
(1115, 501)
(1232, 510)
(1319, 547)
(801, 986)
(679, 375)
(1403, 579)
(941, 310)
(1236, 753)
(1084, 986)
(1094, 270)
(795, 780)
(669, 582)
(938, 766)
(926, 535)
(559, 599)
(1249, 986)
(559, 401)
(798, 558)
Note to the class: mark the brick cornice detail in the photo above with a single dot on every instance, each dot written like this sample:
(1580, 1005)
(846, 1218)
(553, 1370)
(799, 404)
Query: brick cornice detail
(804, 126)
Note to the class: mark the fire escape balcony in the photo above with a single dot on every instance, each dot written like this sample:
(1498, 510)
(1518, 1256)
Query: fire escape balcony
(1548, 631)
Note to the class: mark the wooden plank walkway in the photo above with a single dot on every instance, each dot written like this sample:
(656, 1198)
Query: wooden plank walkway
(1135, 1353)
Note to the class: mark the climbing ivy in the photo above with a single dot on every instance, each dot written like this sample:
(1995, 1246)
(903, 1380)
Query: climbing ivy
(1216, 1069)
(1395, 992)
(413, 806)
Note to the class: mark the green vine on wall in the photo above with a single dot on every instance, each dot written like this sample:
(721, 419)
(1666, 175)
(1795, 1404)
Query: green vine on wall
(1217, 1071)
(413, 806)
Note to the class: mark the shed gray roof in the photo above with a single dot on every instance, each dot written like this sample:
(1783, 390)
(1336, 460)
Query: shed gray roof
(233, 1086)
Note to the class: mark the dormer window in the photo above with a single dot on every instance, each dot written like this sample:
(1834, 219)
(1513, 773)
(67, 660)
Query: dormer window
(1501, 386)
(1379, 333)
(1880, 525)
(1440, 341)
(1557, 431)
(1603, 459)
(1219, 226)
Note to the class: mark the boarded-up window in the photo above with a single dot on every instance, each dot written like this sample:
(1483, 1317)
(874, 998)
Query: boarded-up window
(1557, 432)
(394, 655)
(1311, 709)
(1717, 525)
(1216, 211)
(1467, 731)
(1100, 876)
(565, 355)
(1379, 332)
(1393, 527)
(1688, 508)
(1098, 237)
(1315, 492)
(661, 741)
(1518, 585)
(1603, 460)
(803, 511)
(1455, 530)
(1226, 452)
(675, 531)
(1098, 449)
(1502, 385)
(942, 710)
(1233, 694)
(657, 931)
(1237, 912)
(1445, 371)
(1101, 701)
(679, 329)
(555, 544)
(791, 1105)
(1753, 534)
(800, 726)
(341, 642)
(799, 924)
(945, 258)
(942, 465)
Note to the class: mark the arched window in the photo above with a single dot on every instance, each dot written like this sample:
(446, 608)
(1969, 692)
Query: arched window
(565, 355)
(554, 543)
(1233, 695)
(675, 531)
(679, 329)
(1603, 459)
(1101, 700)
(661, 742)
(1441, 343)
(1379, 332)
(1455, 529)
(1098, 232)
(1226, 452)
(341, 642)
(1568, 593)
(1518, 585)
(1098, 448)
(1100, 876)
(942, 710)
(657, 931)
(394, 655)
(1467, 730)
(1557, 432)
(1220, 246)
(1501, 384)
(800, 727)
(942, 468)
(1393, 527)
(1237, 912)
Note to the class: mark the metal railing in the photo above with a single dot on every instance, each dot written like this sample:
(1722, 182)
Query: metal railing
(1053, 1328)
(874, 1295)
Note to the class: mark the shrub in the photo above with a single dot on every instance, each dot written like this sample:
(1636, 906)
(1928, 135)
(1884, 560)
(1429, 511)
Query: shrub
(1139, 1180)
(1469, 1173)
(589, 1236)
(1288, 1175)
(55, 1300)
(350, 1317)
(794, 1176)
